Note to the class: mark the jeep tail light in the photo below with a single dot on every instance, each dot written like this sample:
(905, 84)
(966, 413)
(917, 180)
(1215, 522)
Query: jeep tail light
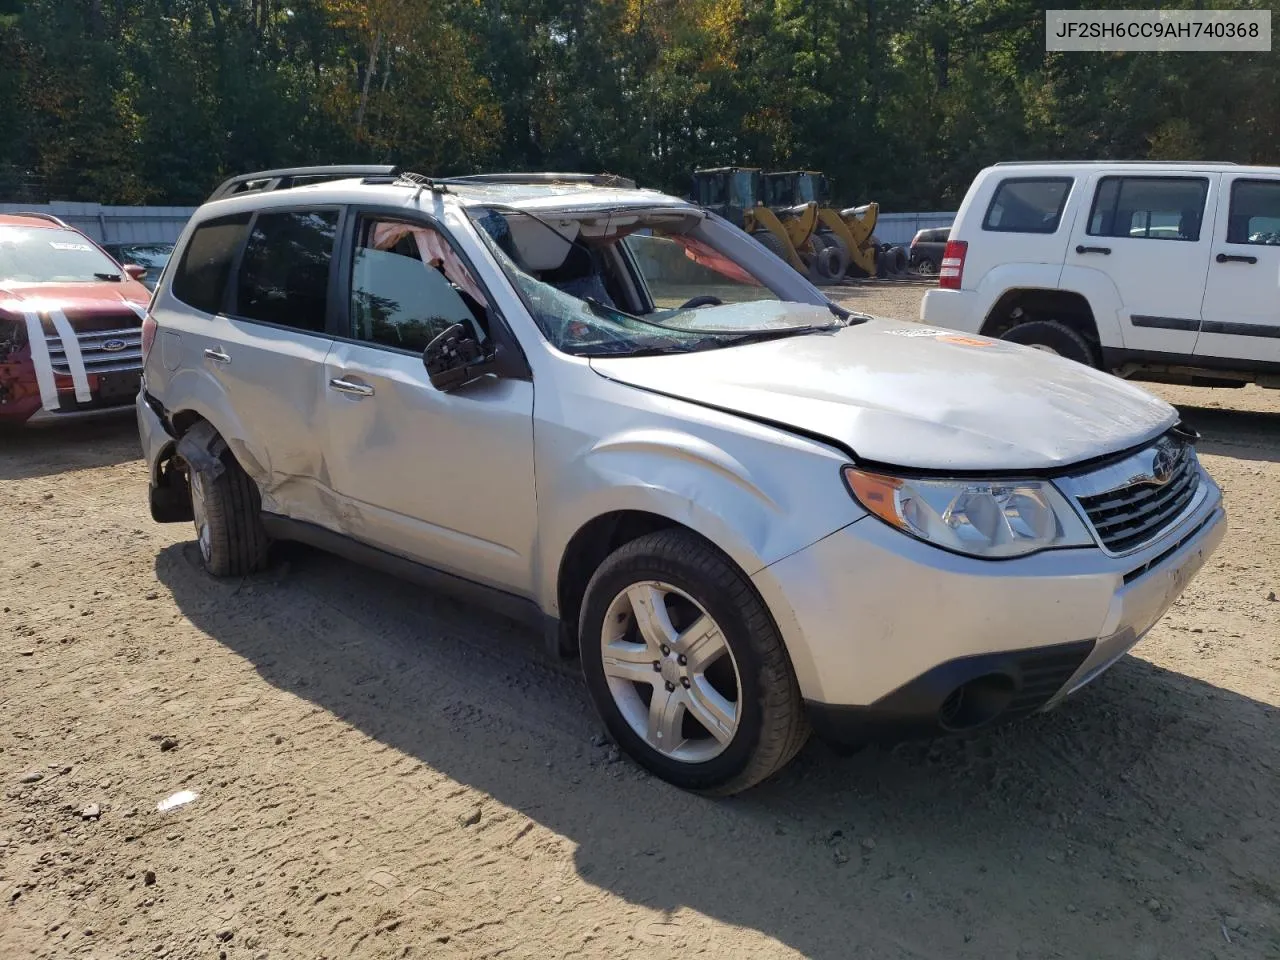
(148, 335)
(951, 272)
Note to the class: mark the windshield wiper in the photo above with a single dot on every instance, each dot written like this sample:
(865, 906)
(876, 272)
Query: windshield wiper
(111, 277)
(760, 336)
(848, 316)
(600, 310)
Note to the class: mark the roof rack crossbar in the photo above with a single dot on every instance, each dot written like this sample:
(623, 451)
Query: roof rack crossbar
(592, 179)
(287, 177)
(39, 216)
(1118, 163)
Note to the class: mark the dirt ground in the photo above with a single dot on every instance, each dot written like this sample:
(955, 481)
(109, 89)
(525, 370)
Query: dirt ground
(383, 774)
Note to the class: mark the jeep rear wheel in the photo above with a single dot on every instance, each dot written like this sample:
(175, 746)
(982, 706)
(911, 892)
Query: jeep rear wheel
(1053, 337)
(686, 667)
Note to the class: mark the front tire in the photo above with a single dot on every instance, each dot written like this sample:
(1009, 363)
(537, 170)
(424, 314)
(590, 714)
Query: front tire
(1053, 337)
(686, 666)
(227, 511)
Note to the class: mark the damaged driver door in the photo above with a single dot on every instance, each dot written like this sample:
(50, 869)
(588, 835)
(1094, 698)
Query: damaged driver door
(443, 478)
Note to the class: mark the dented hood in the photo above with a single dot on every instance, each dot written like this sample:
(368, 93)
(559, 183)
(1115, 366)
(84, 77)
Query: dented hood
(913, 396)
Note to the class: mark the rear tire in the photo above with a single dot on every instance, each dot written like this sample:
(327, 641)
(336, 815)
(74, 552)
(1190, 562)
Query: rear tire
(228, 518)
(737, 671)
(1051, 336)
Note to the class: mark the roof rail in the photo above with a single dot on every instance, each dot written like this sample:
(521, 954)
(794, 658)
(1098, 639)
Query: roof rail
(593, 179)
(39, 216)
(283, 179)
(1118, 163)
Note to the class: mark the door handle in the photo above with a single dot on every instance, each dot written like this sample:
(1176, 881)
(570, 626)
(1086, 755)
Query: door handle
(217, 355)
(351, 387)
(1105, 251)
(1234, 258)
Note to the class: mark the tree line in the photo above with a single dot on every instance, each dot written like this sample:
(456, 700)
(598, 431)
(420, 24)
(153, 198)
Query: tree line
(899, 101)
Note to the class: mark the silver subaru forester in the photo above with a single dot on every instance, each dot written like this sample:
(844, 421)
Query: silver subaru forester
(604, 409)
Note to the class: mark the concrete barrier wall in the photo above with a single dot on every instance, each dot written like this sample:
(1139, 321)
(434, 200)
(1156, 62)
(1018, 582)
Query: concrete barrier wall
(114, 224)
(901, 227)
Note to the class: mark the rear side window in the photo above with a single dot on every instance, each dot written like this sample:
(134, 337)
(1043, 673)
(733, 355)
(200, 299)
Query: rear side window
(202, 275)
(1149, 208)
(1255, 212)
(284, 277)
(1028, 205)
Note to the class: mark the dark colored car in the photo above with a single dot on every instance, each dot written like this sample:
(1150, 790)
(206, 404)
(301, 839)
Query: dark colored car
(926, 250)
(153, 256)
(70, 324)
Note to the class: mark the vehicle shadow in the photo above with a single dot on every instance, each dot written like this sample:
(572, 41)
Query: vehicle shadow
(991, 845)
(29, 452)
(1242, 434)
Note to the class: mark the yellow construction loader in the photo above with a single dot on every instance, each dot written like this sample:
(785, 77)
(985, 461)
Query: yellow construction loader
(734, 193)
(849, 234)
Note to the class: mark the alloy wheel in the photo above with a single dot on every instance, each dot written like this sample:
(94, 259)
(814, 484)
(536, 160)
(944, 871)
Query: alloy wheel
(671, 672)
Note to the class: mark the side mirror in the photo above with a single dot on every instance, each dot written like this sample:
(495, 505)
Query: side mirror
(135, 271)
(454, 358)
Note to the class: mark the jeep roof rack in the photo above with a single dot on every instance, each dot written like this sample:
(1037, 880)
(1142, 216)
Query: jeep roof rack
(39, 216)
(283, 179)
(592, 179)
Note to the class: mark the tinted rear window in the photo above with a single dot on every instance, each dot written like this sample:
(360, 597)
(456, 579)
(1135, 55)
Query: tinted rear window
(284, 277)
(1028, 205)
(206, 263)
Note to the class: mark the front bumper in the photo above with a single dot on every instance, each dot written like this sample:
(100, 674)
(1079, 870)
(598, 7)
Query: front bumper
(884, 631)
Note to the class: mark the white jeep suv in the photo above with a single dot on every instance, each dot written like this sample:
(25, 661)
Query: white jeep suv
(609, 412)
(1153, 271)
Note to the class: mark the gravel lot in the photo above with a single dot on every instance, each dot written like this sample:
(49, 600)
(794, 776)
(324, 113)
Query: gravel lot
(384, 774)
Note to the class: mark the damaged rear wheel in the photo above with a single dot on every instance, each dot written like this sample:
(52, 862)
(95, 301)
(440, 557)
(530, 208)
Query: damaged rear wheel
(227, 510)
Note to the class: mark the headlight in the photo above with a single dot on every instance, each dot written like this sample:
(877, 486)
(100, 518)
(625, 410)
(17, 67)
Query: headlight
(982, 518)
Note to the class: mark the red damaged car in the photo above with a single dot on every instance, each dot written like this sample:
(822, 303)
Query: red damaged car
(70, 323)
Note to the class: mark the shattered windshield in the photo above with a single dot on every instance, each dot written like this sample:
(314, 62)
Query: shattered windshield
(634, 282)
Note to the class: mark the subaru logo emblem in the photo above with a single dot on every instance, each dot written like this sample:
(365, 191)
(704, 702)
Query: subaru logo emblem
(114, 345)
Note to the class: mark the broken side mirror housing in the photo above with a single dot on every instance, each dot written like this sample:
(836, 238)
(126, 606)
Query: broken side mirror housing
(454, 358)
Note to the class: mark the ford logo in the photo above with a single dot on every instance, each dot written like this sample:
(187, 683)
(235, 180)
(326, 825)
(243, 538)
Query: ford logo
(113, 345)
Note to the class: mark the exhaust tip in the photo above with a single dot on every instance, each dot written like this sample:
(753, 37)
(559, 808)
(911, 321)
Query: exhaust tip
(978, 702)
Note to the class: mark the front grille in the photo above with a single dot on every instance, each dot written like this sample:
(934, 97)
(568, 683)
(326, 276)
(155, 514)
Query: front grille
(1139, 510)
(126, 355)
(1042, 674)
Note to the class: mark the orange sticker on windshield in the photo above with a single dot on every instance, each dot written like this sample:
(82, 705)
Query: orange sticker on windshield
(966, 341)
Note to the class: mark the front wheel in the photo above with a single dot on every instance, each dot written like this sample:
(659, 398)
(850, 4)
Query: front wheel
(686, 667)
